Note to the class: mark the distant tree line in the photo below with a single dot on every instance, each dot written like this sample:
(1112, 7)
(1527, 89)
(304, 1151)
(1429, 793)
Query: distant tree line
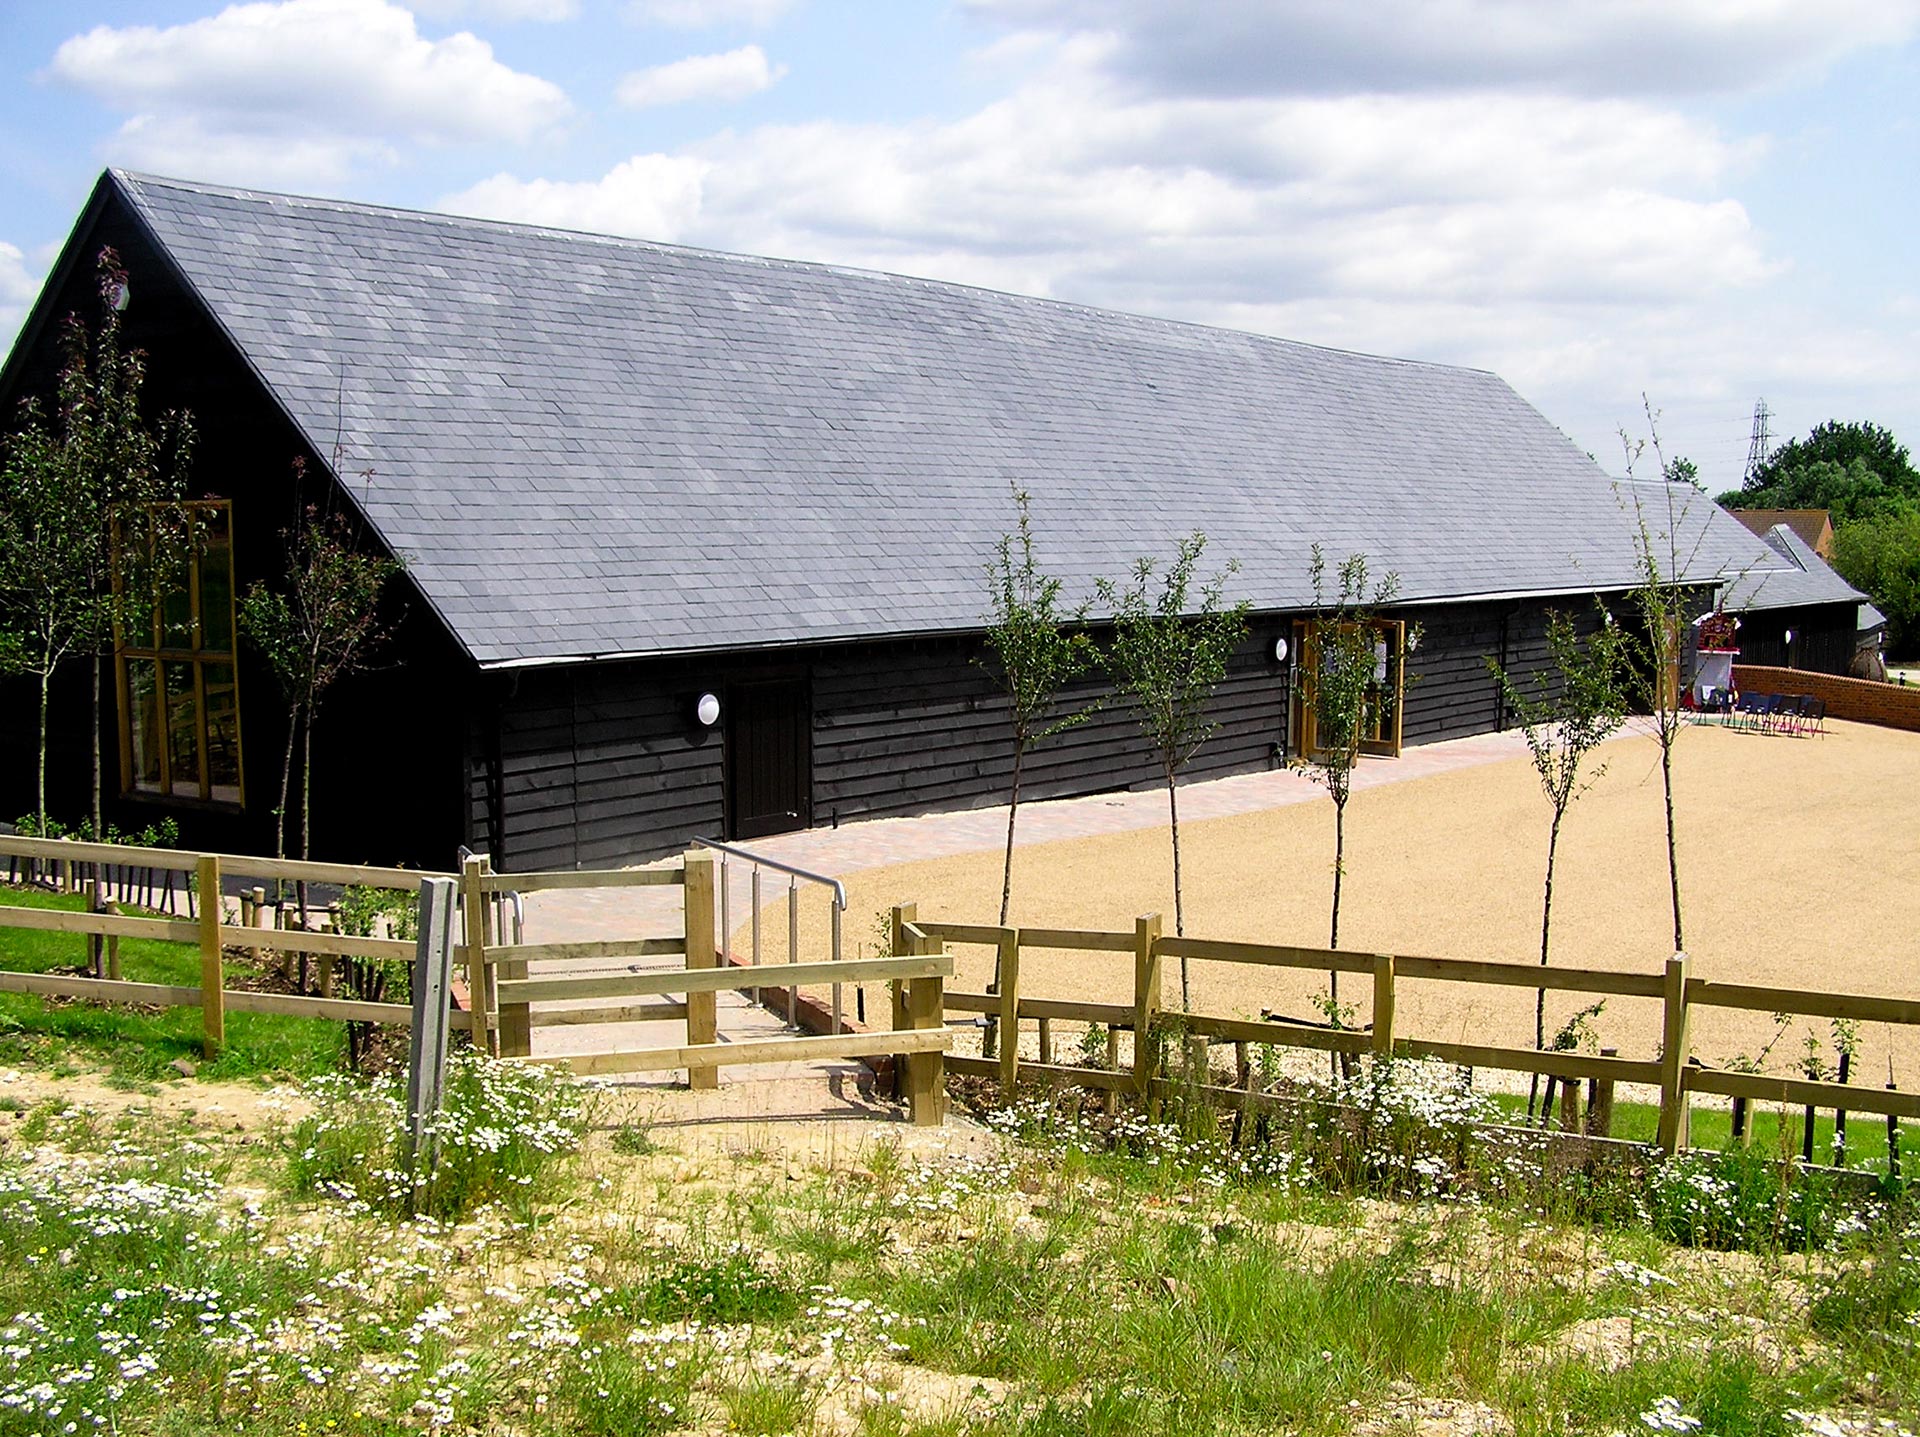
(1865, 479)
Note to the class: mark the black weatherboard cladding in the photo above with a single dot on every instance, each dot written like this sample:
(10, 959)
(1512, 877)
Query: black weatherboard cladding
(604, 763)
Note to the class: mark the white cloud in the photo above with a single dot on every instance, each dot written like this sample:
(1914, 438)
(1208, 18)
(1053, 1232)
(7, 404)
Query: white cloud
(707, 14)
(301, 89)
(648, 197)
(548, 11)
(1563, 241)
(1611, 47)
(18, 287)
(730, 76)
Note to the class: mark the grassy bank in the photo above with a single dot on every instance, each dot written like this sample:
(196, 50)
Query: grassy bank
(600, 1270)
(140, 1042)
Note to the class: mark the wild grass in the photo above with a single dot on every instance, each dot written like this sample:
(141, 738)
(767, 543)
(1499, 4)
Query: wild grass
(1082, 1279)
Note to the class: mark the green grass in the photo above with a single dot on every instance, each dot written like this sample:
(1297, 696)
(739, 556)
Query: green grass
(139, 1043)
(1774, 1130)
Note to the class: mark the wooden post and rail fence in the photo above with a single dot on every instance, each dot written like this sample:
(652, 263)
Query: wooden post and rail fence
(505, 999)
(1676, 1072)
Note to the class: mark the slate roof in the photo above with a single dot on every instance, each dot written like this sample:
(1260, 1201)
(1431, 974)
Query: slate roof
(1796, 578)
(590, 446)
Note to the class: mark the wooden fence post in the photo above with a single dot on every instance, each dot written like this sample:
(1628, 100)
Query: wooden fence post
(213, 983)
(516, 1019)
(1009, 1012)
(1673, 1057)
(474, 905)
(703, 1024)
(256, 917)
(898, 945)
(1382, 1005)
(1600, 1102)
(427, 1045)
(1146, 997)
(926, 1072)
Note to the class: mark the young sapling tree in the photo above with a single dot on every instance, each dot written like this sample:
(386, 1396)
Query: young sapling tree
(1663, 600)
(1036, 649)
(68, 579)
(320, 628)
(1573, 705)
(1173, 634)
(1345, 686)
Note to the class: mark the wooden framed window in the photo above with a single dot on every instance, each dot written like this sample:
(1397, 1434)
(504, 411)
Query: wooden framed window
(179, 687)
(1383, 718)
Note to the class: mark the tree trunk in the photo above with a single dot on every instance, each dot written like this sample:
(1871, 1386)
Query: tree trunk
(99, 832)
(1179, 914)
(40, 790)
(1339, 867)
(1006, 875)
(306, 807)
(990, 1039)
(286, 786)
(1673, 853)
(306, 788)
(1546, 929)
(1342, 1062)
(97, 893)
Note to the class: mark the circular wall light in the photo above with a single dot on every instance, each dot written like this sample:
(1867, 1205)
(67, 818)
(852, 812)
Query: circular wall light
(1280, 651)
(707, 709)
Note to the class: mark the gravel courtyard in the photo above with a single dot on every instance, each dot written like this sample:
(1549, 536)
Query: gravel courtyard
(1800, 863)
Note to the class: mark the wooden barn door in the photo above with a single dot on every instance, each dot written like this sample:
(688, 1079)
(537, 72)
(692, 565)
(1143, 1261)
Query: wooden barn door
(769, 758)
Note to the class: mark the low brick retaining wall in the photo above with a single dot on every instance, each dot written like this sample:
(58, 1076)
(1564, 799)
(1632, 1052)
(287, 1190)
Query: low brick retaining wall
(1862, 700)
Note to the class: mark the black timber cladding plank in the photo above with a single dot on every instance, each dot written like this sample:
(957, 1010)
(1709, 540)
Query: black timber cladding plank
(878, 750)
(600, 764)
(603, 764)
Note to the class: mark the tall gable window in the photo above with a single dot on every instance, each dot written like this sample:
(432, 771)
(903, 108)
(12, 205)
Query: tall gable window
(179, 689)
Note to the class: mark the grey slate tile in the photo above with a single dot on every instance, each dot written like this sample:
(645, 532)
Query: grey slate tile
(589, 444)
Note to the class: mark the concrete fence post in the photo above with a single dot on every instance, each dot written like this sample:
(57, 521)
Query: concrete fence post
(427, 1045)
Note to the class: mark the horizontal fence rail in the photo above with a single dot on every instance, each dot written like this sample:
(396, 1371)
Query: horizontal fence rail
(211, 933)
(1675, 1071)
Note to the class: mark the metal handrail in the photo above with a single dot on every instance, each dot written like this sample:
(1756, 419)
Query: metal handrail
(759, 861)
(510, 897)
(749, 856)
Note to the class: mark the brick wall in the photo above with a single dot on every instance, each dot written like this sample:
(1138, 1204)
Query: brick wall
(1888, 705)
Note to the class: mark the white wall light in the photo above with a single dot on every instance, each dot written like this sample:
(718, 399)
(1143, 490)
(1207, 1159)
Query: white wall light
(707, 709)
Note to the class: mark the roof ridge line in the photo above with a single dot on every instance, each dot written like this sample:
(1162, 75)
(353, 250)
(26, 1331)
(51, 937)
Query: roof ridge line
(138, 177)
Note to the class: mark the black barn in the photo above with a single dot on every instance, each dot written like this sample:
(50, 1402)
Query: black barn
(626, 476)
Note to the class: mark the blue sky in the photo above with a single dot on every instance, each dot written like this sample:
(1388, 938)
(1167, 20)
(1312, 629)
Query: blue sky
(1709, 201)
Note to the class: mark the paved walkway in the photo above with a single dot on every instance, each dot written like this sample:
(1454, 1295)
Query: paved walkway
(875, 843)
(576, 915)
